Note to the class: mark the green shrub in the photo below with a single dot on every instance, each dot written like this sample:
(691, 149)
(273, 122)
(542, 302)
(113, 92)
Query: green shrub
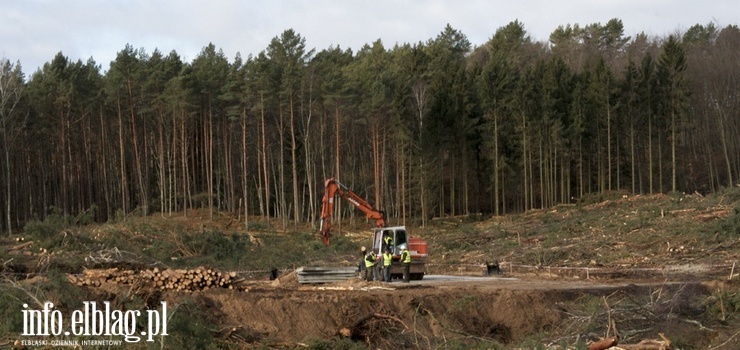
(56, 221)
(52, 224)
(729, 194)
(54, 288)
(339, 244)
(11, 305)
(187, 328)
(188, 249)
(465, 303)
(217, 245)
(723, 305)
(730, 226)
(335, 344)
(123, 241)
(87, 217)
(472, 343)
(70, 296)
(257, 225)
(598, 197)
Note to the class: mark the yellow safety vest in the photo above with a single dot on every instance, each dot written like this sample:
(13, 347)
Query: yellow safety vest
(405, 256)
(387, 259)
(369, 261)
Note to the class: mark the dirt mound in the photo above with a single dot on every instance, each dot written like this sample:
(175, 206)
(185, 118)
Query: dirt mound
(383, 317)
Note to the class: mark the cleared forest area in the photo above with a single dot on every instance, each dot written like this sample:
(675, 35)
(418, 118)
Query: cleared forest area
(619, 265)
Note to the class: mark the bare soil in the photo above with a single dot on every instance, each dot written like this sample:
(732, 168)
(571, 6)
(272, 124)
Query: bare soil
(655, 268)
(457, 310)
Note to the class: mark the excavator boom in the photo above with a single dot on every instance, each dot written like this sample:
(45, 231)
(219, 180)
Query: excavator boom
(335, 188)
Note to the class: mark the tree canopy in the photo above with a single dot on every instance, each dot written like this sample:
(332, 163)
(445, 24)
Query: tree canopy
(435, 128)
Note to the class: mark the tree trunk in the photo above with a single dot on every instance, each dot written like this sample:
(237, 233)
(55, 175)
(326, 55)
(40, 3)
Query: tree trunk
(376, 164)
(283, 214)
(208, 140)
(723, 138)
(162, 163)
(650, 153)
(122, 155)
(244, 170)
(186, 195)
(608, 141)
(309, 165)
(632, 154)
(137, 157)
(337, 155)
(525, 181)
(8, 201)
(496, 170)
(104, 164)
(293, 148)
(673, 150)
(266, 178)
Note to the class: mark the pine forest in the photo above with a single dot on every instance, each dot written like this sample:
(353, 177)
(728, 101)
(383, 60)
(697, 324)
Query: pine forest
(438, 128)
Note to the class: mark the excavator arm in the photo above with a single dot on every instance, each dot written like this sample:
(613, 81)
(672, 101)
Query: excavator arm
(335, 188)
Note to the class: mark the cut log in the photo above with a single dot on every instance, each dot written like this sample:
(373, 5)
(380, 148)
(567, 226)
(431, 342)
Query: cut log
(602, 344)
(646, 345)
(22, 245)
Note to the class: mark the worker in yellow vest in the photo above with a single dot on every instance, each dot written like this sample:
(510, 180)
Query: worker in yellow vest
(388, 242)
(387, 260)
(406, 262)
(371, 266)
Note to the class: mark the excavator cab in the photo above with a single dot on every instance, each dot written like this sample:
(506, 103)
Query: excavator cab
(400, 238)
(389, 238)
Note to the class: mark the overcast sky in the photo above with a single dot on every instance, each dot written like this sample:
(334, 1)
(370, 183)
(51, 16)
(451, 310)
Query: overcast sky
(33, 31)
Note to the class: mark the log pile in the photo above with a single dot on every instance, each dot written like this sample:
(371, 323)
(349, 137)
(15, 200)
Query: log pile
(196, 279)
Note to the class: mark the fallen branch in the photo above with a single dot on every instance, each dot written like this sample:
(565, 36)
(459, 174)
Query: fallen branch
(649, 344)
(726, 341)
(645, 345)
(22, 245)
(732, 271)
(602, 344)
(416, 332)
(348, 331)
(287, 345)
(610, 322)
(18, 286)
(701, 326)
(470, 336)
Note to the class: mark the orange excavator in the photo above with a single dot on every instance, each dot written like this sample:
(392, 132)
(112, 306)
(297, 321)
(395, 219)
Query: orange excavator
(391, 238)
(333, 188)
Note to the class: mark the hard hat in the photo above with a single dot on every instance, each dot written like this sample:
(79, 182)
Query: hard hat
(403, 246)
(363, 248)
